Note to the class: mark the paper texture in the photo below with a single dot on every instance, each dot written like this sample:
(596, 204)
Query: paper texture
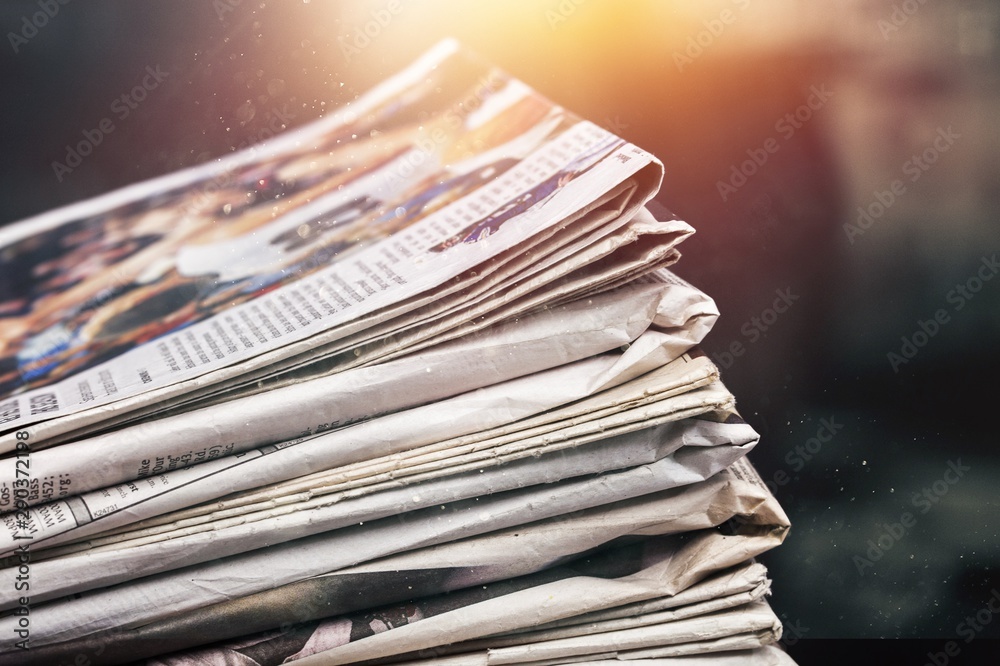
(410, 384)
(167, 281)
(630, 502)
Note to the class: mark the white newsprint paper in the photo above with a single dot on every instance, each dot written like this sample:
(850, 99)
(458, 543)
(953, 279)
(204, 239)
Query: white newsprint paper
(168, 286)
(472, 412)
(680, 453)
(535, 342)
(629, 502)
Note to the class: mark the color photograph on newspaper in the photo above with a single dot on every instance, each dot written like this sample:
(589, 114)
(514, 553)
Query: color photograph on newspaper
(89, 289)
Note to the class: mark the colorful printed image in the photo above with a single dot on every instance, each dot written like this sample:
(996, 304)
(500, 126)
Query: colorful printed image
(92, 288)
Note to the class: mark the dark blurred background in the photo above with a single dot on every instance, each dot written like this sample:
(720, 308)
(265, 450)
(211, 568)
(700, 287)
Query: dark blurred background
(881, 109)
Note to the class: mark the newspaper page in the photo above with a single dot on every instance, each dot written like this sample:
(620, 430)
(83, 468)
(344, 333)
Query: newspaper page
(693, 464)
(738, 628)
(741, 622)
(389, 342)
(767, 655)
(378, 332)
(296, 608)
(297, 619)
(631, 499)
(732, 651)
(559, 429)
(610, 408)
(685, 313)
(747, 581)
(677, 454)
(719, 653)
(168, 280)
(472, 412)
(533, 343)
(387, 473)
(615, 562)
(638, 250)
(574, 628)
(560, 598)
(292, 642)
(376, 343)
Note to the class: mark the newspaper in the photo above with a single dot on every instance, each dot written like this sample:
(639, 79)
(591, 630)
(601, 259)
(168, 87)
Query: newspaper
(375, 340)
(602, 635)
(142, 294)
(280, 646)
(627, 502)
(408, 384)
(536, 342)
(615, 409)
(348, 353)
(560, 431)
(493, 406)
(637, 250)
(296, 608)
(694, 465)
(739, 628)
(386, 599)
(565, 598)
(679, 455)
(553, 429)
(715, 653)
(747, 581)
(319, 361)
(768, 655)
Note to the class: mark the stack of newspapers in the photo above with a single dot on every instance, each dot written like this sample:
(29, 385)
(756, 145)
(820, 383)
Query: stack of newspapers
(409, 384)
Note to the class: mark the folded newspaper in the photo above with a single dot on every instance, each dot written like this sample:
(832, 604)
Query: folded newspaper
(409, 384)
